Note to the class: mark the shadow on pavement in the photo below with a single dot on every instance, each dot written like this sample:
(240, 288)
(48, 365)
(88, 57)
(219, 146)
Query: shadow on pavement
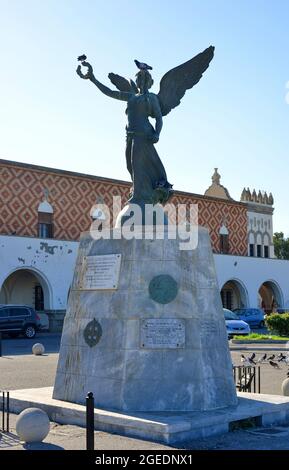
(7, 439)
(41, 446)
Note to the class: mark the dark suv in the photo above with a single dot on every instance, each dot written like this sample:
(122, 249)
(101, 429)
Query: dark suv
(19, 319)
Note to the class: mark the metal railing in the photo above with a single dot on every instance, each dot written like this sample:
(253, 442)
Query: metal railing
(247, 379)
(5, 409)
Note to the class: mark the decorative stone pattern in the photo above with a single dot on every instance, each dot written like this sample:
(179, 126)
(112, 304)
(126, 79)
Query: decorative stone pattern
(182, 364)
(92, 333)
(72, 196)
(212, 212)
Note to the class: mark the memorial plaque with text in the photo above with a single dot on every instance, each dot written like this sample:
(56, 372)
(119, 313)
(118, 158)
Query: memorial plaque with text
(101, 272)
(162, 333)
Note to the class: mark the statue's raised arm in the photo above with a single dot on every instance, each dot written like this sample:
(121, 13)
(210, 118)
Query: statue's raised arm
(123, 95)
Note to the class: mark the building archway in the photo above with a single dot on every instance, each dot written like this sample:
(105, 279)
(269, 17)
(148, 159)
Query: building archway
(234, 295)
(3, 295)
(26, 286)
(270, 296)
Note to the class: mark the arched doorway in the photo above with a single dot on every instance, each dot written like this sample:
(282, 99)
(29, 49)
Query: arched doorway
(26, 287)
(234, 295)
(270, 296)
(3, 295)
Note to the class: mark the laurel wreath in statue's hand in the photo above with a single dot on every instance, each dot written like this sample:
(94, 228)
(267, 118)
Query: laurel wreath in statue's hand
(89, 73)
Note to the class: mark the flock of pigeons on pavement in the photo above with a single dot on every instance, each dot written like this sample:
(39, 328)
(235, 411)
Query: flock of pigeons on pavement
(273, 360)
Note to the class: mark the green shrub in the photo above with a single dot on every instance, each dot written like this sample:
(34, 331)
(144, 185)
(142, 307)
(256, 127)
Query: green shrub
(278, 323)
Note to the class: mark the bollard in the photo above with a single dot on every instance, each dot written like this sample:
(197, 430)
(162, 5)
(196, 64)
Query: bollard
(5, 410)
(89, 421)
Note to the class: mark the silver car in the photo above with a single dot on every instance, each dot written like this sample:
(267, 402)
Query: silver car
(234, 325)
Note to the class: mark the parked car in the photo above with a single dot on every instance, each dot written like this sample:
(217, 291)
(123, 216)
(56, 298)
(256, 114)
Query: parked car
(234, 325)
(19, 319)
(282, 310)
(252, 316)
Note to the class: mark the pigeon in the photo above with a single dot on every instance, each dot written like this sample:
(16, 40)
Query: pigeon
(82, 57)
(142, 65)
(262, 358)
(245, 361)
(252, 356)
(243, 358)
(251, 361)
(274, 364)
(270, 358)
(281, 357)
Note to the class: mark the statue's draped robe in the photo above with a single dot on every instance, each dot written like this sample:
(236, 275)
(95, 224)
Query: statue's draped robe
(145, 166)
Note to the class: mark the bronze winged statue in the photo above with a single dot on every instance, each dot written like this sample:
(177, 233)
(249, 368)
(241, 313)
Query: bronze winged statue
(150, 184)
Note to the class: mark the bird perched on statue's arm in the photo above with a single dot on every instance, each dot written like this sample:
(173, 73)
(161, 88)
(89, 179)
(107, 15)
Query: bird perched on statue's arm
(82, 57)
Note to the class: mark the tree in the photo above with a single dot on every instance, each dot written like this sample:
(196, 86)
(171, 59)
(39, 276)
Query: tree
(281, 245)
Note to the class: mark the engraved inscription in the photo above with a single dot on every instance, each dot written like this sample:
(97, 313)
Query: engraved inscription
(101, 272)
(161, 333)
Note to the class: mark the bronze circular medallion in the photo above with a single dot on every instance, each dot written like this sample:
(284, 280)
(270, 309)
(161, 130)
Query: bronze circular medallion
(163, 289)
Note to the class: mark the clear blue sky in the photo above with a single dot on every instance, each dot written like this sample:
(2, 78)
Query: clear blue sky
(236, 118)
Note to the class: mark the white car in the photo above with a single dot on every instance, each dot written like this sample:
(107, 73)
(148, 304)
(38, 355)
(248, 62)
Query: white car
(234, 325)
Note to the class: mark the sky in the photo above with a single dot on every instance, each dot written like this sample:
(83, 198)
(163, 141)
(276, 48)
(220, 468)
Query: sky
(236, 118)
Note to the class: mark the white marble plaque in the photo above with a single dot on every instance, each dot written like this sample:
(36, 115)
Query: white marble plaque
(101, 272)
(162, 333)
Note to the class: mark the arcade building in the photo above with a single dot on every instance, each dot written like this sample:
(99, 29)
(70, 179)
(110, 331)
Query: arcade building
(43, 211)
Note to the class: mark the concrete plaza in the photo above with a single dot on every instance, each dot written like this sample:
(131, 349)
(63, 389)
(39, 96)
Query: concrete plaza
(19, 369)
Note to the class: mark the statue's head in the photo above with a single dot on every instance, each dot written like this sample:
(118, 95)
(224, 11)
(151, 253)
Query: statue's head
(144, 80)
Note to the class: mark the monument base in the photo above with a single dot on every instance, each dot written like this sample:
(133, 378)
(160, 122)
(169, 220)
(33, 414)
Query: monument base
(145, 328)
(167, 428)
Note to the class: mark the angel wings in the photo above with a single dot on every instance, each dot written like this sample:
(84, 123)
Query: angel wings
(174, 83)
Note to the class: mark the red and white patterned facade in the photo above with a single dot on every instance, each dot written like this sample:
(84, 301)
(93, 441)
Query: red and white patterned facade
(72, 195)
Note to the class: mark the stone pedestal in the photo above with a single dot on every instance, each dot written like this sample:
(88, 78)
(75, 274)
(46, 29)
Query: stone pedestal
(149, 334)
